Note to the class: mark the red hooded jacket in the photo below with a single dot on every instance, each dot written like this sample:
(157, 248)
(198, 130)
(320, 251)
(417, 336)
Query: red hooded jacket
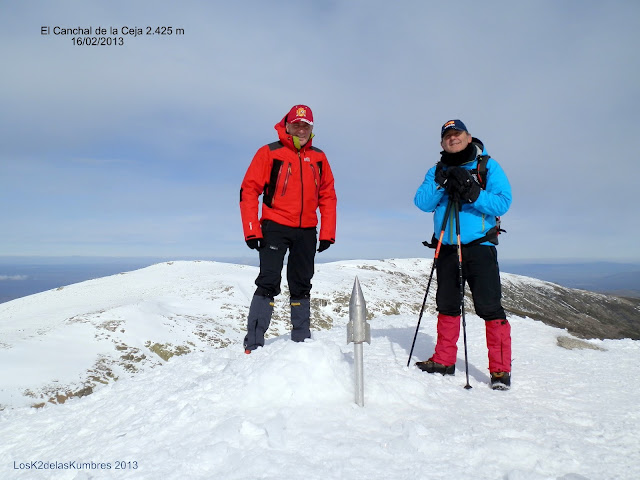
(294, 184)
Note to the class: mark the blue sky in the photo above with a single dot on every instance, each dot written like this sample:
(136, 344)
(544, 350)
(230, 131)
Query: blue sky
(140, 149)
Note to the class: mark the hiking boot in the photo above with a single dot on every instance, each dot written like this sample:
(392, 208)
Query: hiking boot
(500, 380)
(430, 366)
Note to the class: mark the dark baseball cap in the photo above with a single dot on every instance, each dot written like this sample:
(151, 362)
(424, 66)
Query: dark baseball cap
(453, 125)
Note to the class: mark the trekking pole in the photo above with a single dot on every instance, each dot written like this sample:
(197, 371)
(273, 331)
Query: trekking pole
(456, 209)
(433, 266)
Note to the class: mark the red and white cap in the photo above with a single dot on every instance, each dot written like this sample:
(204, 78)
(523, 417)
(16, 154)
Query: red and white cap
(300, 113)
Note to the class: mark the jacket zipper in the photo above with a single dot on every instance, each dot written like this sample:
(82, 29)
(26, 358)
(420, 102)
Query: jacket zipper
(286, 180)
(301, 189)
(275, 187)
(315, 179)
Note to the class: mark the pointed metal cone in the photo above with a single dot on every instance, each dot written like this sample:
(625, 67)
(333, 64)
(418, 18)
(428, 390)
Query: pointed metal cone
(357, 298)
(358, 329)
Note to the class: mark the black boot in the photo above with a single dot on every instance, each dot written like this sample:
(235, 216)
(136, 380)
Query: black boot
(430, 366)
(500, 380)
(258, 322)
(300, 319)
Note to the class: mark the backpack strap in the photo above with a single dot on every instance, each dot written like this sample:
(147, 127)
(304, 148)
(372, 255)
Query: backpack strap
(491, 235)
(481, 170)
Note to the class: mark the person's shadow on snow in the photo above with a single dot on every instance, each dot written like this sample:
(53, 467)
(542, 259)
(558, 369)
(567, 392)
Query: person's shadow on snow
(423, 349)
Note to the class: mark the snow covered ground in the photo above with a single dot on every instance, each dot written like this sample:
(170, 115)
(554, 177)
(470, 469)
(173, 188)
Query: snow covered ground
(287, 411)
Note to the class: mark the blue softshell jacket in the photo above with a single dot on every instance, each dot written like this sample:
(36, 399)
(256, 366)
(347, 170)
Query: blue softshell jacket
(475, 218)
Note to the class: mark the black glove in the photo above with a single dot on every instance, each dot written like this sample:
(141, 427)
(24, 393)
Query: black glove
(472, 192)
(441, 175)
(324, 244)
(254, 243)
(461, 184)
(452, 185)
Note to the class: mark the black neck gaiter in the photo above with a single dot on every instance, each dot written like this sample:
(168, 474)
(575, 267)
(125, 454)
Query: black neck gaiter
(462, 157)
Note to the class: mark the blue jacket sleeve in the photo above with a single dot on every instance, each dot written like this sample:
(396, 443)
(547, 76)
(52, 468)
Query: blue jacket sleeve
(496, 198)
(429, 193)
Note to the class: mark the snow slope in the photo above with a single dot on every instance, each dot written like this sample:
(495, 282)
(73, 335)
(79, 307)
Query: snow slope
(69, 341)
(287, 411)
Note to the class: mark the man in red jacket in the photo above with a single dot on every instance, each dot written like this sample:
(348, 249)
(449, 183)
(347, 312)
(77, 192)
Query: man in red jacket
(294, 179)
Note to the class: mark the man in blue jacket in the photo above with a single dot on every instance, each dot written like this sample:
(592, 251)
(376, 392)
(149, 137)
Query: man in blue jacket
(482, 196)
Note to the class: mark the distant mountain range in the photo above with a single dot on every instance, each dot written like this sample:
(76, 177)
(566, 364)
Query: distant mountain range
(22, 276)
(605, 277)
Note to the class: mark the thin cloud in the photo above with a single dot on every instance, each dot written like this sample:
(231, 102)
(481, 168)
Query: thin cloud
(164, 128)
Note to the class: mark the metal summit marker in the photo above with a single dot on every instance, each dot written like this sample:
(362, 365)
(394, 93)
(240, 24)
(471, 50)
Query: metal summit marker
(358, 332)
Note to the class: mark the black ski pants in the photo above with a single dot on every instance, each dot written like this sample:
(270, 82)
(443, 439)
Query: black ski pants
(277, 240)
(480, 270)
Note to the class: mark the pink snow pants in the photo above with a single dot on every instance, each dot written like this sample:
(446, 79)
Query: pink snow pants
(498, 342)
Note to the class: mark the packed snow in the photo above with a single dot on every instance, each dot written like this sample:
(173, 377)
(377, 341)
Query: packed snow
(287, 411)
